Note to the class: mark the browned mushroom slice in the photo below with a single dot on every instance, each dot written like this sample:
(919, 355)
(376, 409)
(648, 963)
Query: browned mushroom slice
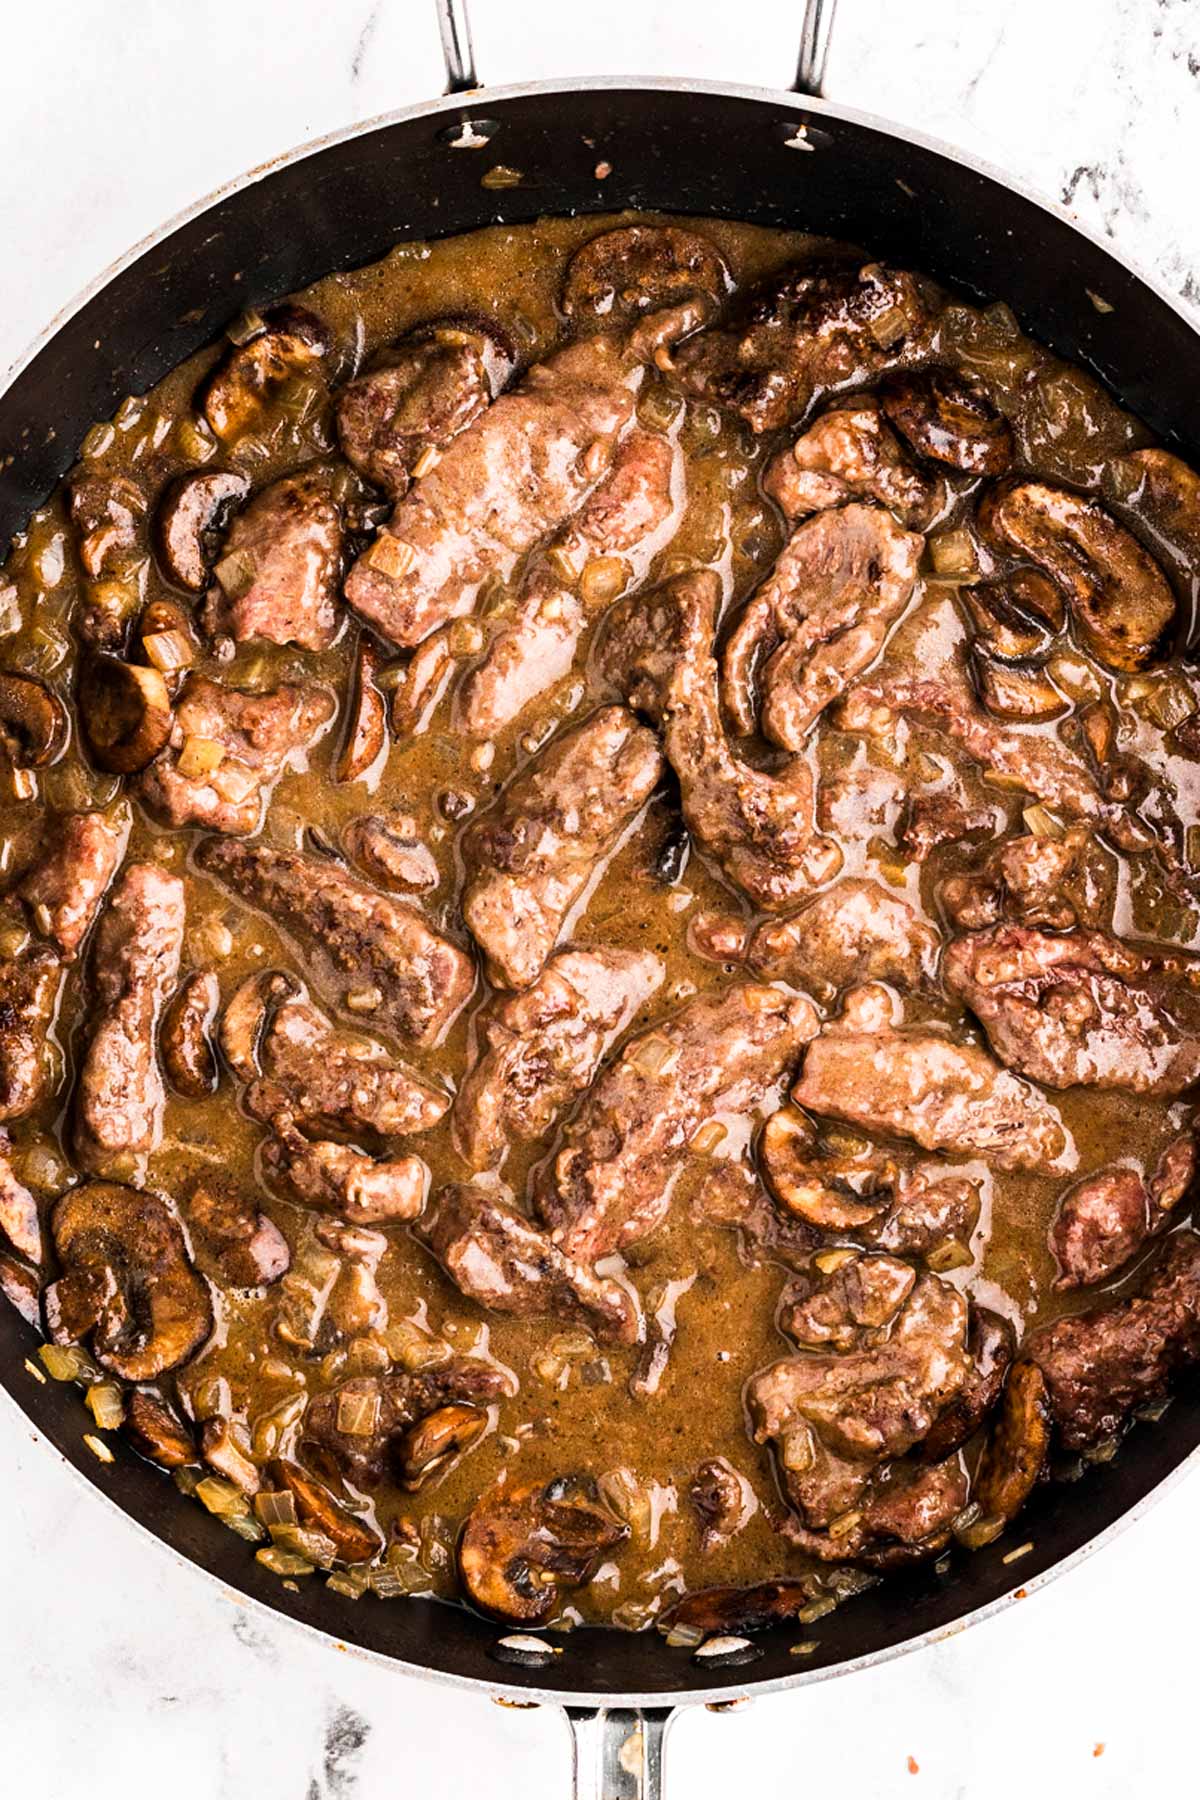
(366, 728)
(354, 1540)
(34, 724)
(948, 418)
(156, 1433)
(1119, 597)
(719, 1610)
(223, 1446)
(630, 271)
(243, 1019)
(434, 1442)
(1025, 694)
(521, 1546)
(991, 1341)
(125, 713)
(247, 1248)
(191, 516)
(391, 851)
(1161, 497)
(1016, 1452)
(127, 1282)
(186, 1045)
(19, 1219)
(835, 1191)
(236, 394)
(1015, 615)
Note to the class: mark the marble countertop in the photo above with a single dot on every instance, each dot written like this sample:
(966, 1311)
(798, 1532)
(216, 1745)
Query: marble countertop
(123, 1675)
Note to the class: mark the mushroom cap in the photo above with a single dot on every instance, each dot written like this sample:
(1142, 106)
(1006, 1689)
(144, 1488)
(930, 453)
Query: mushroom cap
(520, 1546)
(947, 416)
(236, 393)
(34, 724)
(834, 1193)
(125, 713)
(192, 511)
(639, 268)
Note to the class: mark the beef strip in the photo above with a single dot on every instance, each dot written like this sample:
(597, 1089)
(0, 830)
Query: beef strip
(810, 328)
(530, 857)
(20, 1222)
(922, 1085)
(352, 935)
(905, 1516)
(135, 966)
(1082, 1008)
(511, 478)
(719, 1053)
(540, 1048)
(756, 823)
(834, 1418)
(851, 453)
(278, 576)
(1099, 1365)
(340, 1179)
(64, 890)
(730, 1197)
(415, 398)
(30, 985)
(628, 517)
(495, 1255)
(722, 1500)
(821, 617)
(847, 1307)
(1104, 1220)
(855, 931)
(257, 736)
(352, 1430)
(945, 816)
(991, 1342)
(1054, 882)
(331, 1082)
(234, 1240)
(932, 1212)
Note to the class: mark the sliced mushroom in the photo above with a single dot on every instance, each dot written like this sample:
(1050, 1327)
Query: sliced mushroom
(723, 1609)
(125, 713)
(222, 1451)
(520, 1546)
(991, 1342)
(640, 268)
(247, 1248)
(20, 1222)
(833, 1191)
(355, 1541)
(186, 1044)
(34, 723)
(191, 516)
(127, 1283)
(1015, 616)
(1016, 1452)
(428, 1447)
(1118, 596)
(1023, 693)
(236, 394)
(366, 729)
(1161, 496)
(156, 1433)
(947, 417)
(243, 1019)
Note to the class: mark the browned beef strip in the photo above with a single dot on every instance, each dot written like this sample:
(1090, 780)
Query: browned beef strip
(812, 327)
(756, 823)
(105, 510)
(20, 1223)
(234, 1240)
(539, 1048)
(1055, 882)
(416, 397)
(135, 966)
(496, 1256)
(851, 453)
(333, 1082)
(1103, 1221)
(945, 816)
(821, 617)
(922, 1085)
(506, 482)
(64, 890)
(353, 935)
(848, 1307)
(834, 1418)
(259, 735)
(530, 856)
(30, 984)
(933, 1211)
(731, 1197)
(904, 1517)
(722, 1500)
(624, 522)
(718, 1053)
(991, 1343)
(1101, 1364)
(333, 1435)
(1081, 1008)
(855, 931)
(278, 575)
(340, 1179)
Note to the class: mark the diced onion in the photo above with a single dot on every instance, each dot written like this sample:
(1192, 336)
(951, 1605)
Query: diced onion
(221, 1497)
(684, 1637)
(466, 638)
(235, 573)
(276, 1507)
(652, 1055)
(602, 580)
(1042, 823)
(106, 1406)
(247, 325)
(563, 564)
(391, 556)
(283, 1562)
(501, 176)
(168, 650)
(953, 553)
(199, 757)
(1015, 1555)
(831, 1260)
(98, 1448)
(948, 1255)
(304, 1540)
(708, 1137)
(62, 1363)
(233, 783)
(428, 459)
(889, 327)
(352, 1586)
(96, 441)
(821, 1608)
(845, 1523)
(358, 1414)
(243, 1526)
(983, 1531)
(195, 440)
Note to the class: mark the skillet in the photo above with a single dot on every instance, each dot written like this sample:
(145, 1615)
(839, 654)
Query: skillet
(773, 158)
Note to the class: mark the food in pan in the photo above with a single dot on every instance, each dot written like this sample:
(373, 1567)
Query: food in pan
(599, 948)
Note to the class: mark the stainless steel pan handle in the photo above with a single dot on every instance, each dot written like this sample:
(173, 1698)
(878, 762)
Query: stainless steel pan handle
(618, 1751)
(816, 26)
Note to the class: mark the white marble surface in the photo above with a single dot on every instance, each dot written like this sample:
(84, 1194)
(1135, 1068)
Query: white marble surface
(124, 1676)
